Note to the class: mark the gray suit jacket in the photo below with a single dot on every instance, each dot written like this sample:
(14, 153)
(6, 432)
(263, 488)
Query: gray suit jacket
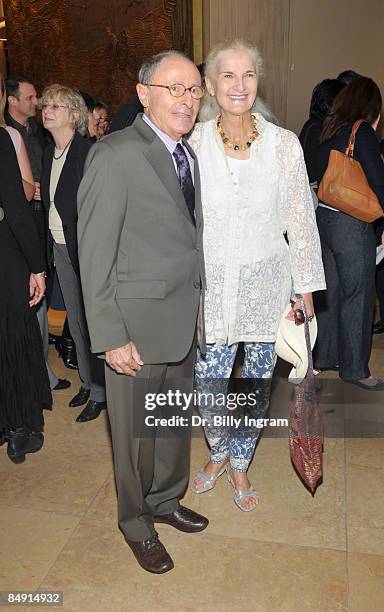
(141, 258)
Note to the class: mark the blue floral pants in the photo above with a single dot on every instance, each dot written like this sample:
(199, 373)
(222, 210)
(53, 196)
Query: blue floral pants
(230, 428)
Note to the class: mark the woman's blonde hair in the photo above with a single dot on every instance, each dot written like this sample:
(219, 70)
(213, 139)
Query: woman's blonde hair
(73, 99)
(209, 107)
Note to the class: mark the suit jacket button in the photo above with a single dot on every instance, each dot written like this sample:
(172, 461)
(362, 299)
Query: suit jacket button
(196, 284)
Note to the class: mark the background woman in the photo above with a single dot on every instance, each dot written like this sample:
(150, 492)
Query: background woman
(345, 310)
(65, 116)
(322, 98)
(24, 385)
(254, 190)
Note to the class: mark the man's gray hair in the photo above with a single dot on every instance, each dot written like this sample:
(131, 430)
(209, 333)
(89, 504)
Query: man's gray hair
(147, 70)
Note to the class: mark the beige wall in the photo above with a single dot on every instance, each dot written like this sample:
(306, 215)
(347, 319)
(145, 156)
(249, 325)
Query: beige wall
(302, 42)
(326, 37)
(264, 22)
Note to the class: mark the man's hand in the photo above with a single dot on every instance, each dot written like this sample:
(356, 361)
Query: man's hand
(36, 288)
(125, 360)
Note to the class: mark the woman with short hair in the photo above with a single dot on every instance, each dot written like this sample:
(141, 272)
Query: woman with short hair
(65, 116)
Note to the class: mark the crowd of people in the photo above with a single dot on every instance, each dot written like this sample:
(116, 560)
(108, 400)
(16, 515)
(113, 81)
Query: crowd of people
(173, 242)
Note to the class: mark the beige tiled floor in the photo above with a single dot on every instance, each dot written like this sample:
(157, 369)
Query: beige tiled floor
(294, 553)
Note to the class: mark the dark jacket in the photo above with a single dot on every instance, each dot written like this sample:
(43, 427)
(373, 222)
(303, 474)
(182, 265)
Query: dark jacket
(309, 139)
(126, 115)
(367, 152)
(66, 193)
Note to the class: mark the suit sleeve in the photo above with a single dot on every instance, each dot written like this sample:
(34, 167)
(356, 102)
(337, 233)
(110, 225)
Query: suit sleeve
(102, 206)
(18, 212)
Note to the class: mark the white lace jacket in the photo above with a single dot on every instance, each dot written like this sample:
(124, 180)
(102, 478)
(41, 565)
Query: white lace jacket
(251, 271)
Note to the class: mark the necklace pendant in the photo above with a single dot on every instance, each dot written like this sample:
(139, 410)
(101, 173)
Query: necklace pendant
(236, 148)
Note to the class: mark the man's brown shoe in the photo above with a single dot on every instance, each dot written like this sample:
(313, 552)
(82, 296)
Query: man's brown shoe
(183, 519)
(152, 555)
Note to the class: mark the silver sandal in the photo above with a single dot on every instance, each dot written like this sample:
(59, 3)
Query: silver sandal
(241, 495)
(208, 481)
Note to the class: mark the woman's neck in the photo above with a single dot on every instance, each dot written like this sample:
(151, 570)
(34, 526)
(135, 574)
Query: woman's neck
(62, 137)
(237, 127)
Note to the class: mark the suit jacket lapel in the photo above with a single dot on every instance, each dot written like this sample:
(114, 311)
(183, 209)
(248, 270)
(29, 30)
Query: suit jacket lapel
(66, 175)
(160, 160)
(196, 181)
(46, 175)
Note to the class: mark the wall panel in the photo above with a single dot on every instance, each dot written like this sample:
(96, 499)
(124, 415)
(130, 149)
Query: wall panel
(328, 37)
(264, 22)
(96, 46)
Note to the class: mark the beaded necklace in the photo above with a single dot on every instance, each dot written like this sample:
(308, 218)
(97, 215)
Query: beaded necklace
(228, 144)
(56, 157)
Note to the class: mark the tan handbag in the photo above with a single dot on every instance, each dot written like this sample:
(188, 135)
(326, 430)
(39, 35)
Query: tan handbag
(345, 187)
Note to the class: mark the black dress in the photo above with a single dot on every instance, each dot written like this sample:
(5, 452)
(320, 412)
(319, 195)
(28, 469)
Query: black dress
(24, 384)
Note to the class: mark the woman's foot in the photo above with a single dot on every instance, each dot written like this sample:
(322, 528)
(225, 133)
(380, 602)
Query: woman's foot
(206, 479)
(246, 497)
(370, 383)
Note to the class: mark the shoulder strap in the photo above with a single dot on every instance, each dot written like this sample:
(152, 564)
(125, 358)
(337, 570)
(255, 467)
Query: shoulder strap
(351, 143)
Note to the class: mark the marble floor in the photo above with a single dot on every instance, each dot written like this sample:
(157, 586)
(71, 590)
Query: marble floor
(294, 553)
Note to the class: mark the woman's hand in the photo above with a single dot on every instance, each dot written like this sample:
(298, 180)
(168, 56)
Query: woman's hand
(36, 288)
(308, 301)
(37, 195)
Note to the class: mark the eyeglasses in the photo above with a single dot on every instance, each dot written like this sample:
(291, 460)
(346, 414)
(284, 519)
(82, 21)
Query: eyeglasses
(53, 107)
(177, 90)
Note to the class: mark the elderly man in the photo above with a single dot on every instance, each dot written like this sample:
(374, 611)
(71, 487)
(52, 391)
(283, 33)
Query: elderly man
(142, 269)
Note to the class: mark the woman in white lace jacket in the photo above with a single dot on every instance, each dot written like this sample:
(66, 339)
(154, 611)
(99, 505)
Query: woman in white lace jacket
(254, 191)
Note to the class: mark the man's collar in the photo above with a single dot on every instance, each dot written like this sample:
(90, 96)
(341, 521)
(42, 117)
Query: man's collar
(16, 123)
(19, 126)
(159, 131)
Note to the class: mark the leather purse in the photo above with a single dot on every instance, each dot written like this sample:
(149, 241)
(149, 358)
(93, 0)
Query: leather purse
(306, 439)
(345, 187)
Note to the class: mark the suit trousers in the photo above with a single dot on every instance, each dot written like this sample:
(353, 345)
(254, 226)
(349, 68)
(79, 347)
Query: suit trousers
(151, 462)
(90, 367)
(345, 310)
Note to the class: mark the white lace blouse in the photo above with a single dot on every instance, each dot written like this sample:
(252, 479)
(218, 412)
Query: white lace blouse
(251, 270)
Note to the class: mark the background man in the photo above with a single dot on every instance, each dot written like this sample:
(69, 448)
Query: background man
(142, 270)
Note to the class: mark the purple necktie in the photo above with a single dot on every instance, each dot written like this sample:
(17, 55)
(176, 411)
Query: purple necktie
(185, 178)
